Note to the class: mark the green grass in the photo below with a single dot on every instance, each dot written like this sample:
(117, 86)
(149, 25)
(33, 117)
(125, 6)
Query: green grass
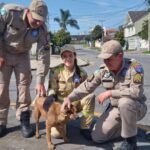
(146, 52)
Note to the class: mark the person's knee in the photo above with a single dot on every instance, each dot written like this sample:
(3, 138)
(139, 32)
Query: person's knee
(98, 138)
(125, 103)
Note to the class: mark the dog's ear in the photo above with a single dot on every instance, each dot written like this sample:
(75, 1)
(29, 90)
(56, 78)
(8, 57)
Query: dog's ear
(72, 109)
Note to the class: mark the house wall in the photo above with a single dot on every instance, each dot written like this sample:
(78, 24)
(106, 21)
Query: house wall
(130, 33)
(138, 24)
(136, 43)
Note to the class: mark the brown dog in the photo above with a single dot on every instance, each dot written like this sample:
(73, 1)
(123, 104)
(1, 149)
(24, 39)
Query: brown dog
(50, 110)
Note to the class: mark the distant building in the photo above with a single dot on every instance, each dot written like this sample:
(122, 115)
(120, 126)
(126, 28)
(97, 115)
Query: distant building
(1, 4)
(132, 26)
(109, 34)
(77, 38)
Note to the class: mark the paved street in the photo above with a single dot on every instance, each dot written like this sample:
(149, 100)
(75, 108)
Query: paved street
(14, 141)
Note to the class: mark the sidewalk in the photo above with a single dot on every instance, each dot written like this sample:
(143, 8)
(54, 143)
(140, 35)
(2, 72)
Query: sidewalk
(56, 60)
(14, 140)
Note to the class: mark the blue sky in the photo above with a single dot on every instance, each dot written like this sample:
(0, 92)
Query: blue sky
(88, 13)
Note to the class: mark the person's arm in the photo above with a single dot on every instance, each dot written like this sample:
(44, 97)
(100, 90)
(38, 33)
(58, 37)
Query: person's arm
(4, 17)
(87, 87)
(53, 82)
(132, 88)
(43, 58)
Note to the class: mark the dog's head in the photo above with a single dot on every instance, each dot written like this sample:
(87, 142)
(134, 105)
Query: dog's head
(68, 114)
(71, 113)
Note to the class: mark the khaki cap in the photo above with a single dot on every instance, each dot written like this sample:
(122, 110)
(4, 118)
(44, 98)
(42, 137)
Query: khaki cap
(67, 47)
(38, 10)
(110, 48)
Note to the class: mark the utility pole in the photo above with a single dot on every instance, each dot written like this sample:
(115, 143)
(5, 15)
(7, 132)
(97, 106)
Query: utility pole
(148, 3)
(149, 29)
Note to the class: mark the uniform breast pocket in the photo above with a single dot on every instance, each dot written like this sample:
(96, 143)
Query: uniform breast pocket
(62, 85)
(11, 34)
(12, 30)
(125, 84)
(108, 84)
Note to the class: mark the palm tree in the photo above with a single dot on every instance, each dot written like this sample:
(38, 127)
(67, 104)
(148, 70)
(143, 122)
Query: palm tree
(65, 20)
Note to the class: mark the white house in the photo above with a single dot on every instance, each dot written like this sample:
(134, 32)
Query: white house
(132, 26)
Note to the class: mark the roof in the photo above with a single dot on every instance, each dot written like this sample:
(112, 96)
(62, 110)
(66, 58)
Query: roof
(77, 37)
(136, 15)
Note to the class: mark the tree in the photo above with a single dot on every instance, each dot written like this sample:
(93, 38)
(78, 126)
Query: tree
(144, 33)
(61, 38)
(97, 33)
(120, 36)
(65, 20)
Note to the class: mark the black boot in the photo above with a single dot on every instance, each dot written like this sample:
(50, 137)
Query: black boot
(3, 130)
(26, 129)
(86, 133)
(128, 144)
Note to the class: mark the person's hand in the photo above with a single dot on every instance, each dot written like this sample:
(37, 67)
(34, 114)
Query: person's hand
(40, 90)
(2, 62)
(66, 103)
(103, 96)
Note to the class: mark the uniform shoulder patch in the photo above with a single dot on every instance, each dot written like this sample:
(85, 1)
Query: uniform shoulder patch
(137, 67)
(57, 68)
(137, 78)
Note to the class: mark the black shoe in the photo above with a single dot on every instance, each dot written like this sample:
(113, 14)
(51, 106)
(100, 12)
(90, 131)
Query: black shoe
(3, 130)
(86, 133)
(128, 144)
(26, 128)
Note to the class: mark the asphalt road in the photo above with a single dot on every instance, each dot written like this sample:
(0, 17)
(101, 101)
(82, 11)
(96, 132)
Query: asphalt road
(14, 141)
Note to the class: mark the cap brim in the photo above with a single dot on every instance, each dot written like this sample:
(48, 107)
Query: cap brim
(105, 56)
(66, 51)
(37, 17)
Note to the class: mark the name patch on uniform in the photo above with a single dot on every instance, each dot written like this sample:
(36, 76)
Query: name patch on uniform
(34, 33)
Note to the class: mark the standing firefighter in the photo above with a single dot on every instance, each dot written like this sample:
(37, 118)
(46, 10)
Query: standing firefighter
(19, 29)
(123, 80)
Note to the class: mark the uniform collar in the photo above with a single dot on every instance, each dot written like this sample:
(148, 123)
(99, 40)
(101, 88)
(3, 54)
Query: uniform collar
(23, 17)
(69, 73)
(123, 64)
(23, 14)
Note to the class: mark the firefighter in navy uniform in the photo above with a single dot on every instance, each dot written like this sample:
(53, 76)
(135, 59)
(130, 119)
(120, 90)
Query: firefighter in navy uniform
(19, 28)
(123, 80)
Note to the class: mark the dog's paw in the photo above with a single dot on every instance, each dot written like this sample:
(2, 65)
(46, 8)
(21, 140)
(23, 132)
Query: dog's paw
(38, 136)
(51, 147)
